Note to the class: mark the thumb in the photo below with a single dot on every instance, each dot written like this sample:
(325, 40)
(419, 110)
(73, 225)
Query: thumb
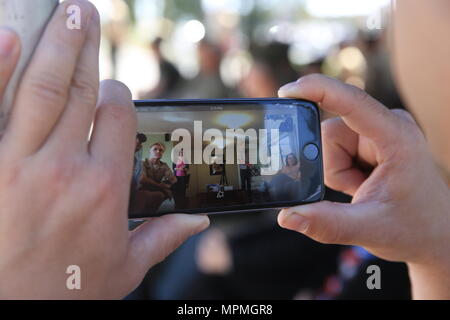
(155, 240)
(328, 222)
(362, 113)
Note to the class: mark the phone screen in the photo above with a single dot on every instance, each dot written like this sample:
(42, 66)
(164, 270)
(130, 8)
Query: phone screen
(218, 156)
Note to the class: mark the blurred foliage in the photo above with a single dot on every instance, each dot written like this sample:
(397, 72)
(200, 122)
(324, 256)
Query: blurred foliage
(131, 4)
(177, 9)
(174, 9)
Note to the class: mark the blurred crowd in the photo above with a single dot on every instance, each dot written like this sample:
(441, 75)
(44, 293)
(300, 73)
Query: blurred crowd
(215, 55)
(221, 53)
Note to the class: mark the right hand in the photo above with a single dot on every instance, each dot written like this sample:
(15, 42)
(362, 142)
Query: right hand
(64, 199)
(401, 205)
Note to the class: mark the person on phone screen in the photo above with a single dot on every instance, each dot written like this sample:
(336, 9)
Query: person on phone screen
(158, 177)
(180, 168)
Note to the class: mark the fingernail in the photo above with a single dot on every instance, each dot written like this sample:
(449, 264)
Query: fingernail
(287, 89)
(297, 222)
(7, 42)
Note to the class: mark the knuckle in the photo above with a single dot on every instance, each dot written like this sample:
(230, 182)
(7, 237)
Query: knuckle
(60, 174)
(409, 131)
(358, 95)
(326, 128)
(50, 89)
(414, 133)
(314, 77)
(404, 114)
(328, 169)
(323, 233)
(85, 88)
(105, 183)
(327, 229)
(122, 114)
(65, 43)
(11, 173)
(338, 233)
(103, 190)
(116, 93)
(329, 127)
(410, 127)
(329, 234)
(108, 186)
(118, 112)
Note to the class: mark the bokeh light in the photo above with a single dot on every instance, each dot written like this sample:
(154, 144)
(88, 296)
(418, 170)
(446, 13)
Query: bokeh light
(194, 31)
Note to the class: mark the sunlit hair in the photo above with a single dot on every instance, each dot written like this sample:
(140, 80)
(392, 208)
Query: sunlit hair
(287, 159)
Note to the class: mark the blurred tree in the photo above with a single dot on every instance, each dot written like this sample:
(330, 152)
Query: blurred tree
(131, 5)
(176, 9)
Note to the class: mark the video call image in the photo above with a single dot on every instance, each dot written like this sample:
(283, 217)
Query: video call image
(213, 159)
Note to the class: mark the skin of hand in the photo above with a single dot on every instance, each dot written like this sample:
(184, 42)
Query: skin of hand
(64, 199)
(401, 205)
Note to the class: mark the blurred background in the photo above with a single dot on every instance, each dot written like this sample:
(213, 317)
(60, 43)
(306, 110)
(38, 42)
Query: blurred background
(243, 48)
(249, 48)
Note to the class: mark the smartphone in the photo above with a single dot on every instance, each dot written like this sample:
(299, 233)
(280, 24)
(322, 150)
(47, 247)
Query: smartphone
(225, 156)
(28, 19)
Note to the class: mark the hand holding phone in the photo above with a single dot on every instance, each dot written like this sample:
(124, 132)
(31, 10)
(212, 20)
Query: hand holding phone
(400, 207)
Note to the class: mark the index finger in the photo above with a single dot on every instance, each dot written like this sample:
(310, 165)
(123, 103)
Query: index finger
(43, 92)
(362, 113)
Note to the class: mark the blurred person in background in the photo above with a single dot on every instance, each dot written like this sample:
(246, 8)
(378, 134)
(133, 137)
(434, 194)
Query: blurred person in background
(170, 80)
(312, 67)
(207, 84)
(116, 28)
(379, 81)
(270, 67)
